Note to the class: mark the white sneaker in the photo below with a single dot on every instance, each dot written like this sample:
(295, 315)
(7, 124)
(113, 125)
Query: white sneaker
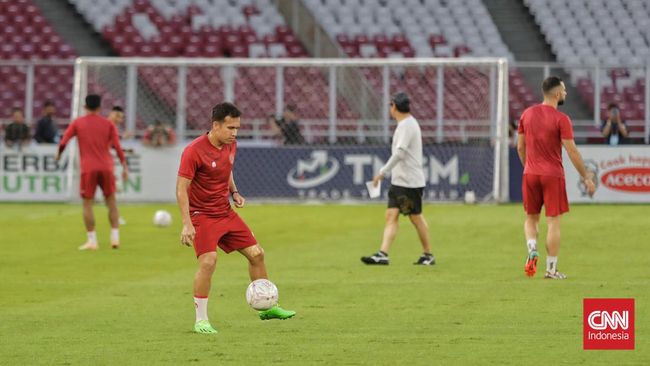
(555, 275)
(89, 246)
(121, 221)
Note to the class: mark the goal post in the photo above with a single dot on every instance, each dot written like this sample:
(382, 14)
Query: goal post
(343, 129)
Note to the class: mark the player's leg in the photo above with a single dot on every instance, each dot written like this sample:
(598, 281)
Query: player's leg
(556, 203)
(89, 222)
(239, 237)
(533, 200)
(207, 262)
(390, 232)
(256, 265)
(106, 181)
(411, 205)
(114, 220)
(87, 187)
(422, 229)
(257, 270)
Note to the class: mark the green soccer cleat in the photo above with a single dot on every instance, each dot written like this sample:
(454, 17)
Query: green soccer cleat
(276, 312)
(203, 326)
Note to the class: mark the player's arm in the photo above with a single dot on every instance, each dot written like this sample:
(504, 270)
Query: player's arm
(607, 128)
(578, 163)
(236, 196)
(188, 232)
(402, 138)
(622, 129)
(69, 133)
(521, 148)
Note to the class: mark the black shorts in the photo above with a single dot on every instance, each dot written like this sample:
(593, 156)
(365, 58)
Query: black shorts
(407, 200)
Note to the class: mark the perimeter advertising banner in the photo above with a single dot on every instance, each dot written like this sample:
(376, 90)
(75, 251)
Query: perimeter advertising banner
(335, 173)
(34, 175)
(329, 173)
(622, 174)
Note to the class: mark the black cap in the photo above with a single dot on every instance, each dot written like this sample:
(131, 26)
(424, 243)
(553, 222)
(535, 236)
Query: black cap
(402, 102)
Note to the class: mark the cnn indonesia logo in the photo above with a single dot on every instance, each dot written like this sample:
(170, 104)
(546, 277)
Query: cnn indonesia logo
(608, 323)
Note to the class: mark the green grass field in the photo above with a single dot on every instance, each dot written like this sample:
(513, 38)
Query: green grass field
(134, 306)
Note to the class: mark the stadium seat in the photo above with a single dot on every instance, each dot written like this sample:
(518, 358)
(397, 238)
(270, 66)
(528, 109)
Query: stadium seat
(591, 30)
(26, 35)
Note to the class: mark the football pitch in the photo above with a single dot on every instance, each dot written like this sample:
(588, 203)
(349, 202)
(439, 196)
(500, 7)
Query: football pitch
(133, 306)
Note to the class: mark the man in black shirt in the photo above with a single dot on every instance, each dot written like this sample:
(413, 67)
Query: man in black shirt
(17, 132)
(614, 128)
(46, 127)
(288, 127)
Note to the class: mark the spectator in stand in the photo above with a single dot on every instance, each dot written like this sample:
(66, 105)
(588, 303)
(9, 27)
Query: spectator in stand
(46, 131)
(17, 132)
(287, 127)
(159, 135)
(614, 128)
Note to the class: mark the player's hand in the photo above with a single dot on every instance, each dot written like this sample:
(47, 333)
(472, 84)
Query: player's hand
(187, 235)
(378, 178)
(238, 199)
(57, 156)
(125, 173)
(589, 184)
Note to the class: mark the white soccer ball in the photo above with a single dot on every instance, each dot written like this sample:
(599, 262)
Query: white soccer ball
(162, 218)
(262, 294)
(470, 197)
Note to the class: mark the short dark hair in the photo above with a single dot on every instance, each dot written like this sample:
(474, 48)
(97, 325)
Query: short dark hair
(48, 103)
(117, 108)
(550, 83)
(223, 110)
(93, 101)
(402, 102)
(16, 109)
(611, 106)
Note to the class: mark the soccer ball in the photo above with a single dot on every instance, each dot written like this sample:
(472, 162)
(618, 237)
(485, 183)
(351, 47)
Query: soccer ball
(162, 218)
(470, 197)
(262, 294)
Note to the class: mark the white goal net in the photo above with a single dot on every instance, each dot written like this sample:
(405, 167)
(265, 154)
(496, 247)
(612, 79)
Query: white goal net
(311, 128)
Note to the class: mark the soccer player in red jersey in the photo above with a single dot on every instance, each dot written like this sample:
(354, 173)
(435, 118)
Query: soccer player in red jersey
(543, 130)
(203, 189)
(95, 135)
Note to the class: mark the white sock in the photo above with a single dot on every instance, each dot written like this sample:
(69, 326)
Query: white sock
(551, 264)
(532, 245)
(201, 305)
(115, 235)
(92, 236)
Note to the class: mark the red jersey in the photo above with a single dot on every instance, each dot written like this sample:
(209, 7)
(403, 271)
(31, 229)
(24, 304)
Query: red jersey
(544, 128)
(95, 135)
(209, 169)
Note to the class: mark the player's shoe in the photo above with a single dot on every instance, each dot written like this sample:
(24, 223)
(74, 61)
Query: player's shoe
(276, 312)
(203, 326)
(115, 244)
(426, 260)
(377, 258)
(121, 221)
(531, 263)
(555, 275)
(89, 246)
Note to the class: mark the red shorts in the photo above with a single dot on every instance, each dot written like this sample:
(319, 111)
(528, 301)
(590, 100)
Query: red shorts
(90, 180)
(229, 233)
(541, 190)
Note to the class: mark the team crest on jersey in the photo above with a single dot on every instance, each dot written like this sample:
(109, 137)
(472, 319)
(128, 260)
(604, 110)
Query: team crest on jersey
(214, 164)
